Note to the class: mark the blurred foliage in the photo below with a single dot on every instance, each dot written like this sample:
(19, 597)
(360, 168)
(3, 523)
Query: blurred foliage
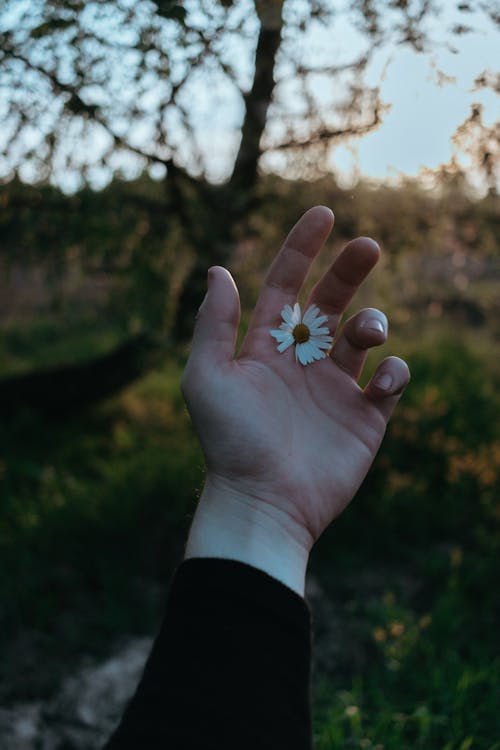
(440, 246)
(426, 525)
(120, 243)
(117, 260)
(94, 510)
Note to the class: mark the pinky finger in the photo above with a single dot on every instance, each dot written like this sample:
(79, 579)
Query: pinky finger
(387, 385)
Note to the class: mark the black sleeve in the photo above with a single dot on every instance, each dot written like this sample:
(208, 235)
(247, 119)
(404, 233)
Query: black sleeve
(230, 667)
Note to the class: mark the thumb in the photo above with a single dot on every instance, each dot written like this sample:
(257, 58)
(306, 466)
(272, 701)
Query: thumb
(214, 336)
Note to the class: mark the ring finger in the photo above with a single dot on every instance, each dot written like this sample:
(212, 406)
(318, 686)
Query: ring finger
(361, 332)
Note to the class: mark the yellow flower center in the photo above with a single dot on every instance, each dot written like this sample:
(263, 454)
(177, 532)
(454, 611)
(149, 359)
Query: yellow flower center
(301, 333)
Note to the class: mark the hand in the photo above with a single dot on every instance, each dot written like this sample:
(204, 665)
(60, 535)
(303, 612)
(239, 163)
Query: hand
(288, 445)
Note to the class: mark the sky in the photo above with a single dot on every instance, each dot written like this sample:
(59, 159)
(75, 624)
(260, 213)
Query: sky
(417, 130)
(425, 107)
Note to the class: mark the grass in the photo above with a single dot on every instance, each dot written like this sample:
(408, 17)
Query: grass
(429, 674)
(411, 568)
(93, 512)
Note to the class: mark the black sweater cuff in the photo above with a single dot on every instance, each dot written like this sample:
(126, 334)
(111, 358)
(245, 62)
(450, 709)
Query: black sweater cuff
(230, 667)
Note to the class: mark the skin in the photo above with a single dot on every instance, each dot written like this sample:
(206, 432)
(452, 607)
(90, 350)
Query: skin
(286, 446)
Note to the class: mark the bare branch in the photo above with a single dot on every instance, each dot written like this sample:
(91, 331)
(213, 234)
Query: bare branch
(326, 134)
(77, 106)
(331, 70)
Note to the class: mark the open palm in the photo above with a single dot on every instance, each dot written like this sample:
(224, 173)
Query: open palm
(296, 439)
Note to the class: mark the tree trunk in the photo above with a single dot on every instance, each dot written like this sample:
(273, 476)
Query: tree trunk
(227, 206)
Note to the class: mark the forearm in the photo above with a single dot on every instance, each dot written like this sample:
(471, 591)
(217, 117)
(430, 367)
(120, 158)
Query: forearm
(232, 525)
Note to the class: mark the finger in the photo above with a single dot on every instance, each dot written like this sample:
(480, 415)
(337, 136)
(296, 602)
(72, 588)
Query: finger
(336, 288)
(287, 273)
(214, 336)
(362, 331)
(387, 385)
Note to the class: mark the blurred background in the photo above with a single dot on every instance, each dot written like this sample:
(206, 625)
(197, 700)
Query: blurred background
(142, 142)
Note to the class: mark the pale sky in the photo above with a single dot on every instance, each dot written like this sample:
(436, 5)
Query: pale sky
(416, 132)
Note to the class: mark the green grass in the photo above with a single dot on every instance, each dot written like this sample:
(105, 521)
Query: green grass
(429, 675)
(412, 567)
(94, 512)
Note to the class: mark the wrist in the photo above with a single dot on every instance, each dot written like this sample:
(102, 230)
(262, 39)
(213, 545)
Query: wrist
(230, 523)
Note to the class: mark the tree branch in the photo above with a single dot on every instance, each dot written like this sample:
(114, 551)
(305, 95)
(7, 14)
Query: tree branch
(77, 106)
(258, 99)
(326, 134)
(304, 70)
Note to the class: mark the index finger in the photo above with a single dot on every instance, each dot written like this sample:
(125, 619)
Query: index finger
(289, 269)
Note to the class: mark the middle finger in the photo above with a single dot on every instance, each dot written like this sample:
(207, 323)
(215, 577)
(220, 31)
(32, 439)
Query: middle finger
(287, 273)
(339, 284)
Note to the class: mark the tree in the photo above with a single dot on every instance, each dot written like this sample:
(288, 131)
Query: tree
(481, 142)
(100, 88)
(477, 140)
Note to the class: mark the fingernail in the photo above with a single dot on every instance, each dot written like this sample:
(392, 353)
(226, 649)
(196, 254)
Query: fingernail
(374, 324)
(383, 381)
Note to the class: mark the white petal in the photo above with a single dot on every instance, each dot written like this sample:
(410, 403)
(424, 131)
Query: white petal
(287, 314)
(301, 353)
(319, 354)
(324, 342)
(319, 331)
(315, 351)
(280, 335)
(306, 354)
(318, 321)
(286, 327)
(285, 344)
(296, 314)
(310, 314)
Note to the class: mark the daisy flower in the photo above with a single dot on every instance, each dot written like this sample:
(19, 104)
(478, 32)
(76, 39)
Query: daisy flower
(306, 331)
